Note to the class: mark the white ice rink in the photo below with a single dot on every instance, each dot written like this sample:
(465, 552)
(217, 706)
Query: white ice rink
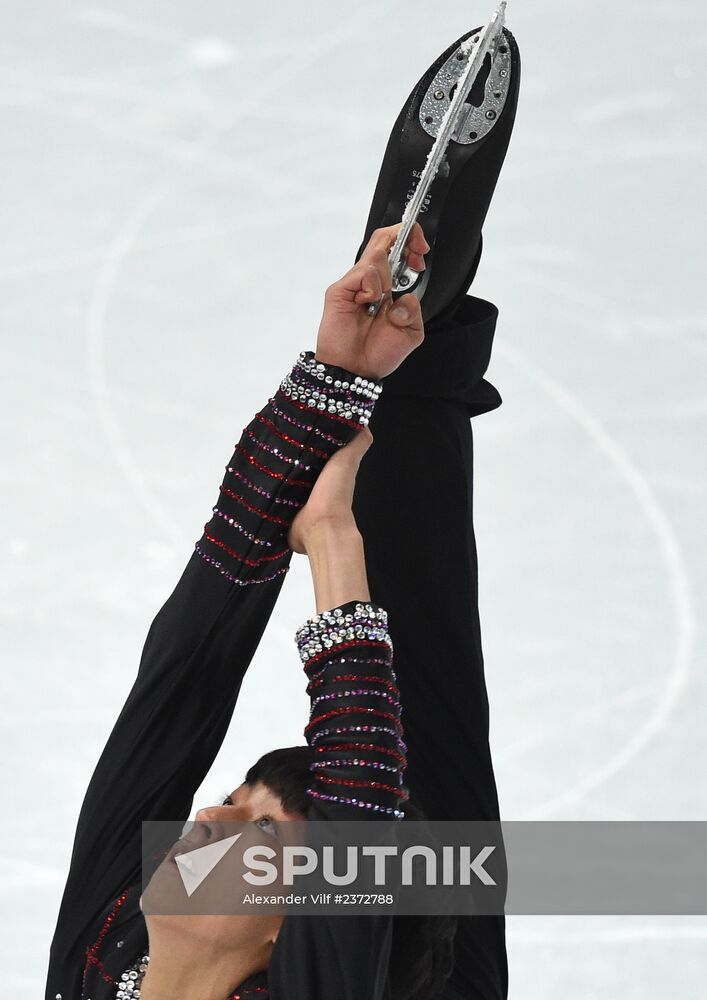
(180, 181)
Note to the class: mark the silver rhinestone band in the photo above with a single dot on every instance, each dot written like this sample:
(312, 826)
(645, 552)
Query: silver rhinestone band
(324, 631)
(331, 389)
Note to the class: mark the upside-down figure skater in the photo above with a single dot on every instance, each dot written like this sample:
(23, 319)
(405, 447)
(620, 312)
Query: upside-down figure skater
(289, 486)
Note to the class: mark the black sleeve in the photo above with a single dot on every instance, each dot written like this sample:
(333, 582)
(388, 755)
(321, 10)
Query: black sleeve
(356, 733)
(354, 725)
(202, 640)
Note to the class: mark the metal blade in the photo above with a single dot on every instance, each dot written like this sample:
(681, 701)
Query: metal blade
(477, 47)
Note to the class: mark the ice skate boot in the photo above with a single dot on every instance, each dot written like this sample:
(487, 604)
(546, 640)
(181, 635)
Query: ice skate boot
(442, 162)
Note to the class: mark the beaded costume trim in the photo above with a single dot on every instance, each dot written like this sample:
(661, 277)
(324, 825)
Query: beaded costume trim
(129, 987)
(339, 393)
(369, 715)
(290, 452)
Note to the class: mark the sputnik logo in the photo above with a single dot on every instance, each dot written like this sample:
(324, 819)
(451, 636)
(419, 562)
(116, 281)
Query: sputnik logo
(195, 865)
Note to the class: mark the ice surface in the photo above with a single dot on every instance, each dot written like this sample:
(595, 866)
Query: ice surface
(180, 183)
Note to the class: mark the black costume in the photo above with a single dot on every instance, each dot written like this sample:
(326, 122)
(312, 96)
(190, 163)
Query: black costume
(414, 507)
(204, 637)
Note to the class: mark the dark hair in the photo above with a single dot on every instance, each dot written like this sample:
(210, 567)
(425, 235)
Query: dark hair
(422, 952)
(286, 772)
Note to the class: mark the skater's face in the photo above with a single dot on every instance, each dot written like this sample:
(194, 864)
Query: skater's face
(257, 814)
(248, 804)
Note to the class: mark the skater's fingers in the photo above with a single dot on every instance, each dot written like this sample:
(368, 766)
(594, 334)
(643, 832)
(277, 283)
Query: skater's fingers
(414, 260)
(381, 241)
(416, 248)
(417, 243)
(366, 282)
(406, 314)
(378, 259)
(378, 249)
(345, 461)
(357, 446)
(363, 283)
(384, 238)
(371, 285)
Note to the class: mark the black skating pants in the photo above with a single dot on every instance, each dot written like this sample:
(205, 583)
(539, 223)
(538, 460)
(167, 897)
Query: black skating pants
(413, 505)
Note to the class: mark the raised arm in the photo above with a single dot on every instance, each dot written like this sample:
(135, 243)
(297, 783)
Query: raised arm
(354, 725)
(202, 640)
(355, 730)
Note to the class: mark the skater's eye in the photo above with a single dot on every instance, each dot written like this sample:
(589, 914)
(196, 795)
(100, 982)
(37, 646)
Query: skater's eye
(267, 825)
(226, 801)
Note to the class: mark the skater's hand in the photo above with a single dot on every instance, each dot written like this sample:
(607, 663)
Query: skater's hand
(372, 346)
(327, 513)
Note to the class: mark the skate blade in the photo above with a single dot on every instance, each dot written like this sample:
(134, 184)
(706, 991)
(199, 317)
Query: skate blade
(446, 115)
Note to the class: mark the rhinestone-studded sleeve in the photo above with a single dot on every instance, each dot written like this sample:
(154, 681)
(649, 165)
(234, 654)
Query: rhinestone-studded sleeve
(354, 725)
(316, 410)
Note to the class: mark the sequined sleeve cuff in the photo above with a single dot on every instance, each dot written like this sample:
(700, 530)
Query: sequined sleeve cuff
(354, 725)
(332, 390)
(317, 409)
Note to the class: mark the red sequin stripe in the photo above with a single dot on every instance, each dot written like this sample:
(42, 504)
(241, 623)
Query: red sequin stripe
(336, 747)
(305, 427)
(255, 510)
(273, 451)
(358, 693)
(231, 577)
(269, 472)
(259, 489)
(91, 953)
(237, 555)
(352, 643)
(324, 413)
(319, 680)
(319, 676)
(353, 783)
(353, 710)
(286, 437)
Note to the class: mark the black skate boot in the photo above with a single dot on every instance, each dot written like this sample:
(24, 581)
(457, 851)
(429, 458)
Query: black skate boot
(453, 206)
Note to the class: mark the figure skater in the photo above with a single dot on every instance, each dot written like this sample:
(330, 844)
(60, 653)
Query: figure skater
(289, 485)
